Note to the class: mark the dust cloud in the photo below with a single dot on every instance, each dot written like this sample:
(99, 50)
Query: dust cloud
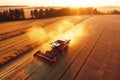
(63, 31)
(37, 34)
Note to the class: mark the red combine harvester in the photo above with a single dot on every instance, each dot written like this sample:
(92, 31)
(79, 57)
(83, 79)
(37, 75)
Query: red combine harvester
(57, 48)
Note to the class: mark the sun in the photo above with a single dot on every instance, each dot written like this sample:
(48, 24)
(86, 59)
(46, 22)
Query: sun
(64, 3)
(75, 3)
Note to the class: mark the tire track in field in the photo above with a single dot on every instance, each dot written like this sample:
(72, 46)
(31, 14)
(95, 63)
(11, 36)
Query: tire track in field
(20, 31)
(76, 22)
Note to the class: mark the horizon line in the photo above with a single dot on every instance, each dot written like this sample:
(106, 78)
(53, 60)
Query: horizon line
(57, 6)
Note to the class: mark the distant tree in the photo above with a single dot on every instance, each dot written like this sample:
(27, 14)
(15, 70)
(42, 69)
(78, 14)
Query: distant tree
(11, 14)
(1, 16)
(22, 13)
(115, 12)
(36, 13)
(41, 13)
(32, 13)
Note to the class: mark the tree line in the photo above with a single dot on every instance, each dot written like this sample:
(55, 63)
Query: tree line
(115, 12)
(12, 14)
(39, 13)
(52, 12)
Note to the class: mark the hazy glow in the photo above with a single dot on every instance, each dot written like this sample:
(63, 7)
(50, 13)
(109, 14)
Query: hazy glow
(73, 3)
(73, 33)
(65, 30)
(37, 34)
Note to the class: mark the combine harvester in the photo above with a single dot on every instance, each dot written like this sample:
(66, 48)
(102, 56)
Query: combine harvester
(57, 48)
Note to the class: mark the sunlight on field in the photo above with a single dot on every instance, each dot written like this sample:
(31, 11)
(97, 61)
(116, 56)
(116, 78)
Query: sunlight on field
(73, 33)
(65, 30)
(61, 28)
(68, 31)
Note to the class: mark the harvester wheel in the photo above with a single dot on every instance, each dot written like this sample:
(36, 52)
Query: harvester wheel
(55, 59)
(34, 55)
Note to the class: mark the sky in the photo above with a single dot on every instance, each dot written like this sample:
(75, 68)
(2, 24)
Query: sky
(66, 3)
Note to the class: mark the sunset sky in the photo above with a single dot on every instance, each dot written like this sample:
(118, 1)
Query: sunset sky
(72, 3)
